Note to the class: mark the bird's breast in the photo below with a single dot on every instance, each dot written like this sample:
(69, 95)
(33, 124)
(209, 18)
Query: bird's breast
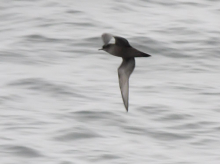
(119, 51)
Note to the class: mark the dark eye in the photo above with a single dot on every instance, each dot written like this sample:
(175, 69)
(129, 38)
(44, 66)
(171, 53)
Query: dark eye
(105, 46)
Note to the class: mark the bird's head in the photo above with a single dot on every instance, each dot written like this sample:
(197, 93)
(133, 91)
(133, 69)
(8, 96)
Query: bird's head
(105, 47)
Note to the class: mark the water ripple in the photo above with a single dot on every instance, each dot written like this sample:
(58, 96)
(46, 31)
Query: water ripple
(23, 151)
(44, 86)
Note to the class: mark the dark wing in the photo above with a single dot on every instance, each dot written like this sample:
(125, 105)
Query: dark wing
(124, 72)
(121, 41)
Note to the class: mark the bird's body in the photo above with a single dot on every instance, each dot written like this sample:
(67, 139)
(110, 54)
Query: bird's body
(125, 52)
(123, 49)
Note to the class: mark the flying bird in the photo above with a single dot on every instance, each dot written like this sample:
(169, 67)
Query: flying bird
(123, 49)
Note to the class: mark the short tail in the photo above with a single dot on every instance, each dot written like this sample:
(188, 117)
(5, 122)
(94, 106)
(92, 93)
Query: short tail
(145, 55)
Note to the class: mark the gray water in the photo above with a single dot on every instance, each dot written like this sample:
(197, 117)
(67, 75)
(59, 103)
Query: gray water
(60, 101)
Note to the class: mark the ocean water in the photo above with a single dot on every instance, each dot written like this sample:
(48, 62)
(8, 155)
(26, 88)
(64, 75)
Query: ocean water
(60, 101)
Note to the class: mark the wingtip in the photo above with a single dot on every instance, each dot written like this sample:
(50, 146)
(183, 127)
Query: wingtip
(106, 37)
(126, 107)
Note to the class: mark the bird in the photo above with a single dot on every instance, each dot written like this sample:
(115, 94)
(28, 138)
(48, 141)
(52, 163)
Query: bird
(122, 48)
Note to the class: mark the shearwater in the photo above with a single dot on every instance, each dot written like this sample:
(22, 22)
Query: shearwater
(123, 49)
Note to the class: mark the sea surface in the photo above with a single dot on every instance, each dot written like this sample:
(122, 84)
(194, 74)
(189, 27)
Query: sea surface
(60, 101)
